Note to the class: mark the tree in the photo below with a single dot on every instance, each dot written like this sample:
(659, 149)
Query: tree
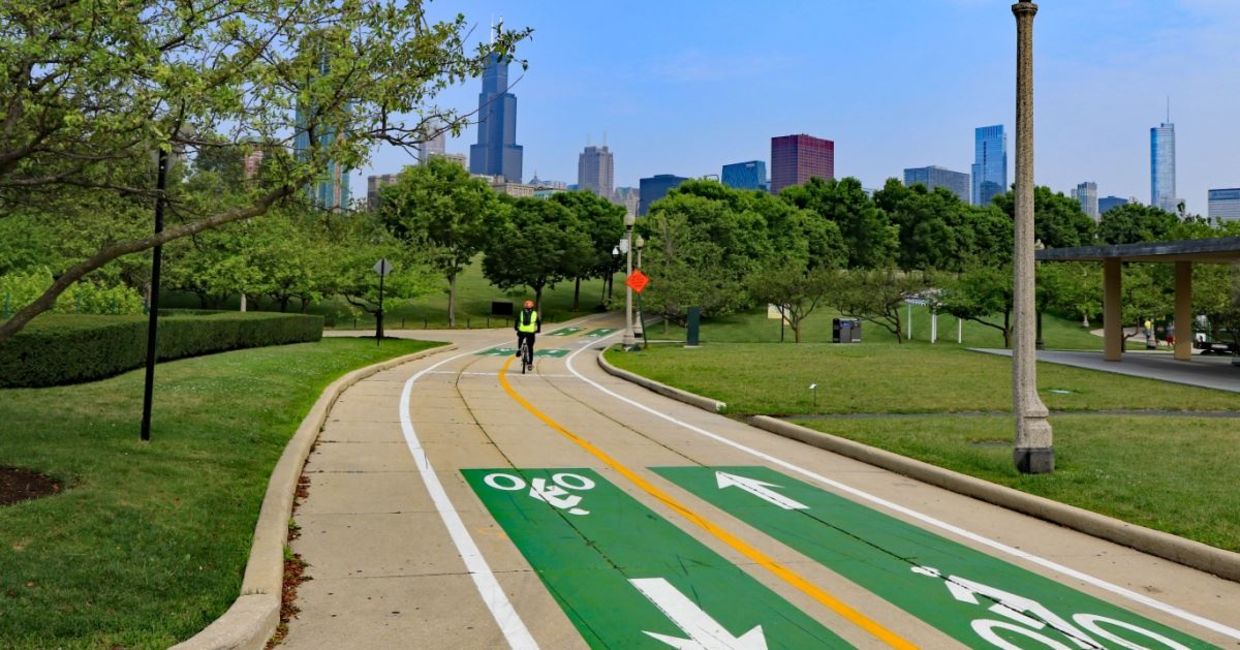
(871, 241)
(795, 289)
(1216, 295)
(357, 242)
(537, 245)
(982, 294)
(1133, 223)
(90, 90)
(439, 206)
(603, 221)
(875, 295)
(1058, 221)
(935, 231)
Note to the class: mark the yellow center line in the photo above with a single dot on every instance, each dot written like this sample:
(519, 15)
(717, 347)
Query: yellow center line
(784, 573)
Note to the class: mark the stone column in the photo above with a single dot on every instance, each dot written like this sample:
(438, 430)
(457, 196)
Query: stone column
(1184, 311)
(1112, 311)
(1033, 453)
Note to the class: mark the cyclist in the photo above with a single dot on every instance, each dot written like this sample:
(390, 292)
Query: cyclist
(527, 324)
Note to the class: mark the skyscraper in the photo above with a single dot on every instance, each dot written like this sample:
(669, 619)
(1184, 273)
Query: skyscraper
(1225, 204)
(989, 163)
(1087, 195)
(596, 171)
(330, 191)
(1162, 166)
(749, 175)
(434, 140)
(797, 158)
(497, 152)
(374, 184)
(935, 176)
(654, 188)
(1108, 203)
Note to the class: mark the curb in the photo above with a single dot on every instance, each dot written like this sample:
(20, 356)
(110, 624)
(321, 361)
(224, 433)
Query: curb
(706, 403)
(253, 617)
(1203, 557)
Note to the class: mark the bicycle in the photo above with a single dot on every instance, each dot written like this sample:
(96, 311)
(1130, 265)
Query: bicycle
(527, 357)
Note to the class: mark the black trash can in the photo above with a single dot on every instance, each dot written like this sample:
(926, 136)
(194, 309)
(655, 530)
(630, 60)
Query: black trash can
(835, 330)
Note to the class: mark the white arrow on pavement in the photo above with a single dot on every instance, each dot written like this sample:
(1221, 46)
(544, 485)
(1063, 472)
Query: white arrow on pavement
(705, 633)
(760, 489)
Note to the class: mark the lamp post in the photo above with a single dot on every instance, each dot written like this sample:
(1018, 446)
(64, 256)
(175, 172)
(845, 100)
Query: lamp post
(629, 340)
(638, 328)
(1032, 451)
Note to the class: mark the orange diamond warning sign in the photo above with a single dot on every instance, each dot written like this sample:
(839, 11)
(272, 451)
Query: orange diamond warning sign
(637, 280)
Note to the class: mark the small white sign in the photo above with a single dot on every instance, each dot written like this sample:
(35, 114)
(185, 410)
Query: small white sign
(383, 267)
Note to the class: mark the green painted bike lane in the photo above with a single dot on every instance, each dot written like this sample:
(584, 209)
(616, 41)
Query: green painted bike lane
(566, 331)
(626, 577)
(555, 353)
(977, 599)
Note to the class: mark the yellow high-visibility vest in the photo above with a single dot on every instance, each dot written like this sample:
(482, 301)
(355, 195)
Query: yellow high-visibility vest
(528, 326)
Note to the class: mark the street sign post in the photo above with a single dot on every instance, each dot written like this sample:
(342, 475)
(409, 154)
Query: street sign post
(637, 281)
(383, 268)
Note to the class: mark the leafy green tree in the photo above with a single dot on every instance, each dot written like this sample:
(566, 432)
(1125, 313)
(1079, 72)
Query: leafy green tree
(870, 239)
(1058, 221)
(603, 221)
(982, 294)
(90, 90)
(875, 295)
(356, 243)
(935, 229)
(795, 288)
(439, 206)
(1134, 223)
(538, 244)
(1216, 295)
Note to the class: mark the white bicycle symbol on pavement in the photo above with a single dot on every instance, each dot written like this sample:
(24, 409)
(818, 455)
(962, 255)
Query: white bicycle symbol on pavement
(557, 493)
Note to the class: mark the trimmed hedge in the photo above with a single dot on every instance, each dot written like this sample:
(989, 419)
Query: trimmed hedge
(60, 349)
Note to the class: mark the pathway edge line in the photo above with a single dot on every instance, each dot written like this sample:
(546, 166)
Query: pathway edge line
(1193, 554)
(705, 403)
(253, 617)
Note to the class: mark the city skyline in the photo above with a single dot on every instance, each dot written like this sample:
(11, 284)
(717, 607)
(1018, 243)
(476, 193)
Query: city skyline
(496, 152)
(647, 88)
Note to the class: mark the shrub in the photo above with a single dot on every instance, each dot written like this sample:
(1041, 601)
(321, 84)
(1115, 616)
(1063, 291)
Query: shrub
(64, 349)
(18, 289)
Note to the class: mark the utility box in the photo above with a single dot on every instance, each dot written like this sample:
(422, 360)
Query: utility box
(845, 330)
(692, 326)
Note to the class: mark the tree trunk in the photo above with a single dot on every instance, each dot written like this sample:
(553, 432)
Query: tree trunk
(538, 299)
(577, 295)
(283, 304)
(452, 300)
(1007, 329)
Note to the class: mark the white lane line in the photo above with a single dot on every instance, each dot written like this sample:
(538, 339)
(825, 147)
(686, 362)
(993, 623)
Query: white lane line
(927, 519)
(510, 623)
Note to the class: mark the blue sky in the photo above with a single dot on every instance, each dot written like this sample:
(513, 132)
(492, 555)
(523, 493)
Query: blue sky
(684, 87)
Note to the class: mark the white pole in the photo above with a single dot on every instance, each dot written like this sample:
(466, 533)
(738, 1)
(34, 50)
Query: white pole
(910, 320)
(959, 331)
(934, 327)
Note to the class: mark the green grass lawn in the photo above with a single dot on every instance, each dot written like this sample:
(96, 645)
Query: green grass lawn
(148, 543)
(1172, 472)
(773, 379)
(474, 296)
(1175, 474)
(755, 327)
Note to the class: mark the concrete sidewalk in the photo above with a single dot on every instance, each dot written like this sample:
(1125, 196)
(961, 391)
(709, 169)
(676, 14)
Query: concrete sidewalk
(1204, 371)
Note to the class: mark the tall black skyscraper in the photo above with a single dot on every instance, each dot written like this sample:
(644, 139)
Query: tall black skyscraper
(497, 152)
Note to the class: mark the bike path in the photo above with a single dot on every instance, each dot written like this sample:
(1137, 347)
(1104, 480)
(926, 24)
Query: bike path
(466, 422)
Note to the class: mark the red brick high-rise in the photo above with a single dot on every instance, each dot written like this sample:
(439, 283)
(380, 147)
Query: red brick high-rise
(797, 158)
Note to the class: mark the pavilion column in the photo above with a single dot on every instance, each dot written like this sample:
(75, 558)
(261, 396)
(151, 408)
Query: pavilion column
(1112, 311)
(1184, 311)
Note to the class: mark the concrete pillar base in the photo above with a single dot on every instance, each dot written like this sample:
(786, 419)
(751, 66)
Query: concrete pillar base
(1034, 461)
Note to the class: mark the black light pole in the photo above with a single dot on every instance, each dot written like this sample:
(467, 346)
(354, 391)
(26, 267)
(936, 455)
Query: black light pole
(153, 308)
(379, 316)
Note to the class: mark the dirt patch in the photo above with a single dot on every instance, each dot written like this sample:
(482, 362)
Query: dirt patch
(17, 484)
(294, 567)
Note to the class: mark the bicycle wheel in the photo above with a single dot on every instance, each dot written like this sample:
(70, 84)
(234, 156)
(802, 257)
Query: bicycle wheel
(525, 356)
